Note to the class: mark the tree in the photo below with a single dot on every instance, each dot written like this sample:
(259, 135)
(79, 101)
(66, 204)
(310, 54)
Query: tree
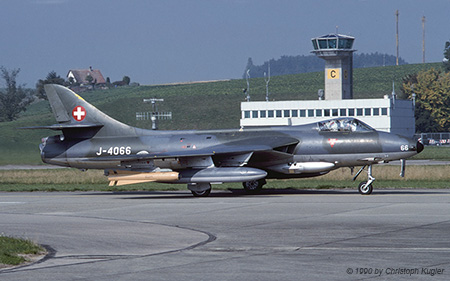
(432, 89)
(126, 80)
(447, 56)
(13, 99)
(52, 78)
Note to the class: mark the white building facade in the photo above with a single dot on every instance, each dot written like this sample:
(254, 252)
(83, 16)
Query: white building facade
(389, 115)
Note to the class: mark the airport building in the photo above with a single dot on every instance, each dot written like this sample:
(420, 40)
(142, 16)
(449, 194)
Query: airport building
(387, 114)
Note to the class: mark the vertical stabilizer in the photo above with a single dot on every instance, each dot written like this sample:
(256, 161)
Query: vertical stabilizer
(74, 114)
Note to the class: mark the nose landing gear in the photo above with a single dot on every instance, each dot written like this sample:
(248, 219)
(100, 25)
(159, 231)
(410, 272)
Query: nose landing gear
(365, 187)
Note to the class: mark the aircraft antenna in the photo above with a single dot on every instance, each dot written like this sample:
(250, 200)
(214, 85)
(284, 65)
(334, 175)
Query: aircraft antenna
(267, 79)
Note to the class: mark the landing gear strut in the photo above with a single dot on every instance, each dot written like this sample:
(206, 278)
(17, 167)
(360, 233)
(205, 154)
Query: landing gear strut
(365, 187)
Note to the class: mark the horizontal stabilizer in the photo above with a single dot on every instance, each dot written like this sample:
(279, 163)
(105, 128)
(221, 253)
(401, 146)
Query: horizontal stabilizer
(64, 126)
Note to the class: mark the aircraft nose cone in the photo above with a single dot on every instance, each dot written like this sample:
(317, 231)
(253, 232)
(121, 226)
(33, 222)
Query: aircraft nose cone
(419, 147)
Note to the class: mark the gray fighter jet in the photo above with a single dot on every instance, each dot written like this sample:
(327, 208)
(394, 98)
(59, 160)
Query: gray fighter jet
(92, 140)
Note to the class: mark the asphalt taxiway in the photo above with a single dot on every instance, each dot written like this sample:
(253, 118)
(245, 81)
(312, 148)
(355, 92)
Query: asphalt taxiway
(278, 235)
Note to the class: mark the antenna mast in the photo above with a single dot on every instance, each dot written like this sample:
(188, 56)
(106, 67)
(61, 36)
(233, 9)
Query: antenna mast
(154, 115)
(423, 39)
(267, 79)
(396, 28)
(247, 91)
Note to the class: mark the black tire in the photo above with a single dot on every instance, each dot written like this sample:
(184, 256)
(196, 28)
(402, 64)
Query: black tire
(204, 193)
(254, 186)
(365, 190)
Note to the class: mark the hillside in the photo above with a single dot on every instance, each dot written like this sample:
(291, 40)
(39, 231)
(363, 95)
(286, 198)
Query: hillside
(213, 105)
(311, 63)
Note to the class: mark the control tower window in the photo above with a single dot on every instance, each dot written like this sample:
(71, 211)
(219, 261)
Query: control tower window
(323, 43)
(315, 45)
(332, 43)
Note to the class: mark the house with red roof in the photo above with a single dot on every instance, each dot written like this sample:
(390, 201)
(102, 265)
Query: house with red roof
(86, 78)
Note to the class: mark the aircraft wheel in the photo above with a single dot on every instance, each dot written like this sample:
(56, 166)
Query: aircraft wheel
(254, 186)
(365, 190)
(204, 193)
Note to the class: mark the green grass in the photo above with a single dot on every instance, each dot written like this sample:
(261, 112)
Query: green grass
(434, 153)
(13, 249)
(214, 105)
(93, 180)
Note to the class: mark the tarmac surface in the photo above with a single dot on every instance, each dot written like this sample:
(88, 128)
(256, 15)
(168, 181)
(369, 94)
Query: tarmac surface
(277, 235)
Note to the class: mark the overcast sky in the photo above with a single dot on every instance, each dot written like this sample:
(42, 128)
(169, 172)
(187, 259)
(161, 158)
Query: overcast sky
(167, 41)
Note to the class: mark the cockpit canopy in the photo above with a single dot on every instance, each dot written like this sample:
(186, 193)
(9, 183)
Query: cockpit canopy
(343, 125)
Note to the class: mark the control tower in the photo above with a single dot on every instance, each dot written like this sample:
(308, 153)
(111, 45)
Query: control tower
(336, 50)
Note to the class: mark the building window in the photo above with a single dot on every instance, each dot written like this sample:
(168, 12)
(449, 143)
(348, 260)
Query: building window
(310, 112)
(334, 112)
(294, 113)
(318, 112)
(359, 112)
(254, 114)
(351, 112)
(262, 114)
(332, 43)
(343, 112)
(367, 111)
(384, 111)
(323, 43)
(376, 111)
(246, 114)
(326, 112)
(278, 112)
(270, 113)
(302, 113)
(287, 113)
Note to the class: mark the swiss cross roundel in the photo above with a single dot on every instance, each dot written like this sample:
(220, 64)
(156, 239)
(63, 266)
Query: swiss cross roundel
(79, 113)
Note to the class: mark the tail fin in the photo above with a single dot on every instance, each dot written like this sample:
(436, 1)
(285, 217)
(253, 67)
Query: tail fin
(78, 118)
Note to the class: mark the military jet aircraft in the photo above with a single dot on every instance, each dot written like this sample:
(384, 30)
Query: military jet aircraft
(92, 140)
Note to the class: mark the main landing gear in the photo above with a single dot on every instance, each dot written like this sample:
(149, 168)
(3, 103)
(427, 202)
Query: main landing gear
(254, 186)
(365, 187)
(200, 189)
